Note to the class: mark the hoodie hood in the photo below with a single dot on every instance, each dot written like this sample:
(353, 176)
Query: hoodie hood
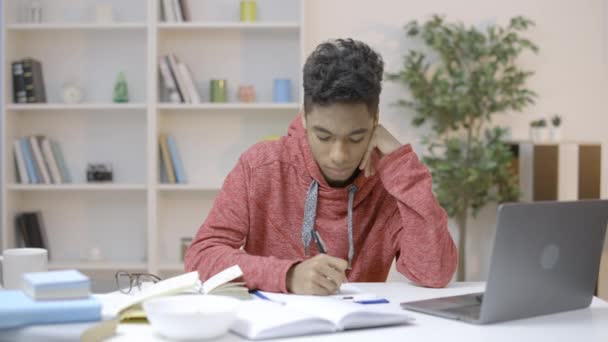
(320, 188)
(297, 131)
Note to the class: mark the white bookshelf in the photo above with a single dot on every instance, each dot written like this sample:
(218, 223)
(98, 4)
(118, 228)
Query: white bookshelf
(276, 26)
(75, 26)
(76, 187)
(229, 106)
(136, 222)
(78, 106)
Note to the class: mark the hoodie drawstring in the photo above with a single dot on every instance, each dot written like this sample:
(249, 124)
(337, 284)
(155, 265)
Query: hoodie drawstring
(351, 245)
(310, 213)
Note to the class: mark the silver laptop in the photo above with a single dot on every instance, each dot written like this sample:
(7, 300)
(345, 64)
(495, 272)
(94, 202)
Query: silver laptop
(545, 259)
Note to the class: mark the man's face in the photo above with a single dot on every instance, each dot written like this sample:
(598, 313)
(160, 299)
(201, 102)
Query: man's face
(338, 135)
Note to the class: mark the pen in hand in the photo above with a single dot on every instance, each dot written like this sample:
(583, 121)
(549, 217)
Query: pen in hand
(319, 242)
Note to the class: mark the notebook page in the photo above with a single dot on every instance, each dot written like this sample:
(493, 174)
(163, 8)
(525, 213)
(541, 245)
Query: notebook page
(261, 319)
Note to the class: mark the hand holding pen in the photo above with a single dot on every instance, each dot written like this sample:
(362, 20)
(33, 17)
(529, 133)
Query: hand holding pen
(319, 275)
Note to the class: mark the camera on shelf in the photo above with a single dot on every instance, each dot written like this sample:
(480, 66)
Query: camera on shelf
(99, 172)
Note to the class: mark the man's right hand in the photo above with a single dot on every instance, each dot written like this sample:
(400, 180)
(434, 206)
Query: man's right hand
(320, 275)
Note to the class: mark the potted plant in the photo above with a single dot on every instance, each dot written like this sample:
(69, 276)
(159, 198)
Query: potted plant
(469, 77)
(537, 130)
(555, 133)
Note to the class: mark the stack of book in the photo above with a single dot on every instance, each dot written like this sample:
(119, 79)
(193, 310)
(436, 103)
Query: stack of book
(28, 82)
(171, 167)
(177, 81)
(56, 304)
(39, 160)
(174, 10)
(31, 231)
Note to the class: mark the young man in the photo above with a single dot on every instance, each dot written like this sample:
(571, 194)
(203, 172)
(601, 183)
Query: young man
(335, 200)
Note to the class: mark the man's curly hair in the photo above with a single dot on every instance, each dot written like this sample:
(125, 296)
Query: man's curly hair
(343, 71)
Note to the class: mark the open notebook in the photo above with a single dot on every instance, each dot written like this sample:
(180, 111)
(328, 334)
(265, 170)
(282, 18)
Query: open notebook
(305, 315)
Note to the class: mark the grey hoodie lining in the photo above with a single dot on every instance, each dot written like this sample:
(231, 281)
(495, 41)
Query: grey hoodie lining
(310, 214)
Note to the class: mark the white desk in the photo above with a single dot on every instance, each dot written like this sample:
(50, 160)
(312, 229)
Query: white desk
(589, 325)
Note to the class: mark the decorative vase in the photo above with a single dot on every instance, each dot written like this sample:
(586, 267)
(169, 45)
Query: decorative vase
(121, 89)
(555, 133)
(248, 11)
(218, 91)
(538, 134)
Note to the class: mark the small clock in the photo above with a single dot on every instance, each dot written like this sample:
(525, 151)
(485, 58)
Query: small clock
(72, 93)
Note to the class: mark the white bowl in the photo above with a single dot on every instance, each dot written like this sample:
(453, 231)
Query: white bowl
(188, 317)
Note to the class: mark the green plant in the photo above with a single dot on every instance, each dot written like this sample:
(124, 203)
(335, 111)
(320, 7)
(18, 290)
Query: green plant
(538, 123)
(470, 76)
(556, 120)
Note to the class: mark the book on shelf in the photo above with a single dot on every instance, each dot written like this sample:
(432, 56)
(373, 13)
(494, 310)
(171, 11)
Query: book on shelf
(30, 227)
(176, 160)
(63, 284)
(21, 170)
(17, 309)
(78, 331)
(177, 81)
(168, 83)
(41, 164)
(39, 160)
(30, 163)
(174, 10)
(305, 315)
(63, 168)
(50, 161)
(186, 73)
(164, 154)
(34, 81)
(28, 81)
(19, 93)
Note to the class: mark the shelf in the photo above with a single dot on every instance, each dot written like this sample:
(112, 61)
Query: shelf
(186, 187)
(75, 26)
(227, 25)
(79, 106)
(230, 106)
(100, 266)
(76, 187)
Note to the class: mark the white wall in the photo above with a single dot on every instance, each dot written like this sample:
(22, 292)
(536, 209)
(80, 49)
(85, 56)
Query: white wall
(571, 68)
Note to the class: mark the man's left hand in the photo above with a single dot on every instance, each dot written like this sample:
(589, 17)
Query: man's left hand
(382, 140)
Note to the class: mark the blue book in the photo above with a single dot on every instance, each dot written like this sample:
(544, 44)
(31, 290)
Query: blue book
(17, 309)
(63, 168)
(68, 284)
(180, 175)
(29, 160)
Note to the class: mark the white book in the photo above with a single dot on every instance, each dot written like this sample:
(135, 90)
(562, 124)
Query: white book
(51, 162)
(126, 306)
(40, 160)
(23, 177)
(189, 81)
(263, 319)
(168, 80)
(78, 331)
(169, 11)
(181, 83)
(179, 16)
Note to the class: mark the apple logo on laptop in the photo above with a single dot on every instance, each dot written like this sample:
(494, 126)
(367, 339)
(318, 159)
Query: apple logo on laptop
(549, 256)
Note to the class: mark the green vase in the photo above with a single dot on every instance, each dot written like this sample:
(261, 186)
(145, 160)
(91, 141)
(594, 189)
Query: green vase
(248, 10)
(121, 89)
(218, 91)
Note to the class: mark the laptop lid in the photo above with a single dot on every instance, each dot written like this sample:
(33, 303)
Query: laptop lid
(545, 258)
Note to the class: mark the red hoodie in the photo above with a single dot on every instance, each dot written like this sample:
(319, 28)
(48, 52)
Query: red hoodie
(256, 220)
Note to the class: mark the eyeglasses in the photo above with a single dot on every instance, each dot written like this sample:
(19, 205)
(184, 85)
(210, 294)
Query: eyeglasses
(125, 281)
